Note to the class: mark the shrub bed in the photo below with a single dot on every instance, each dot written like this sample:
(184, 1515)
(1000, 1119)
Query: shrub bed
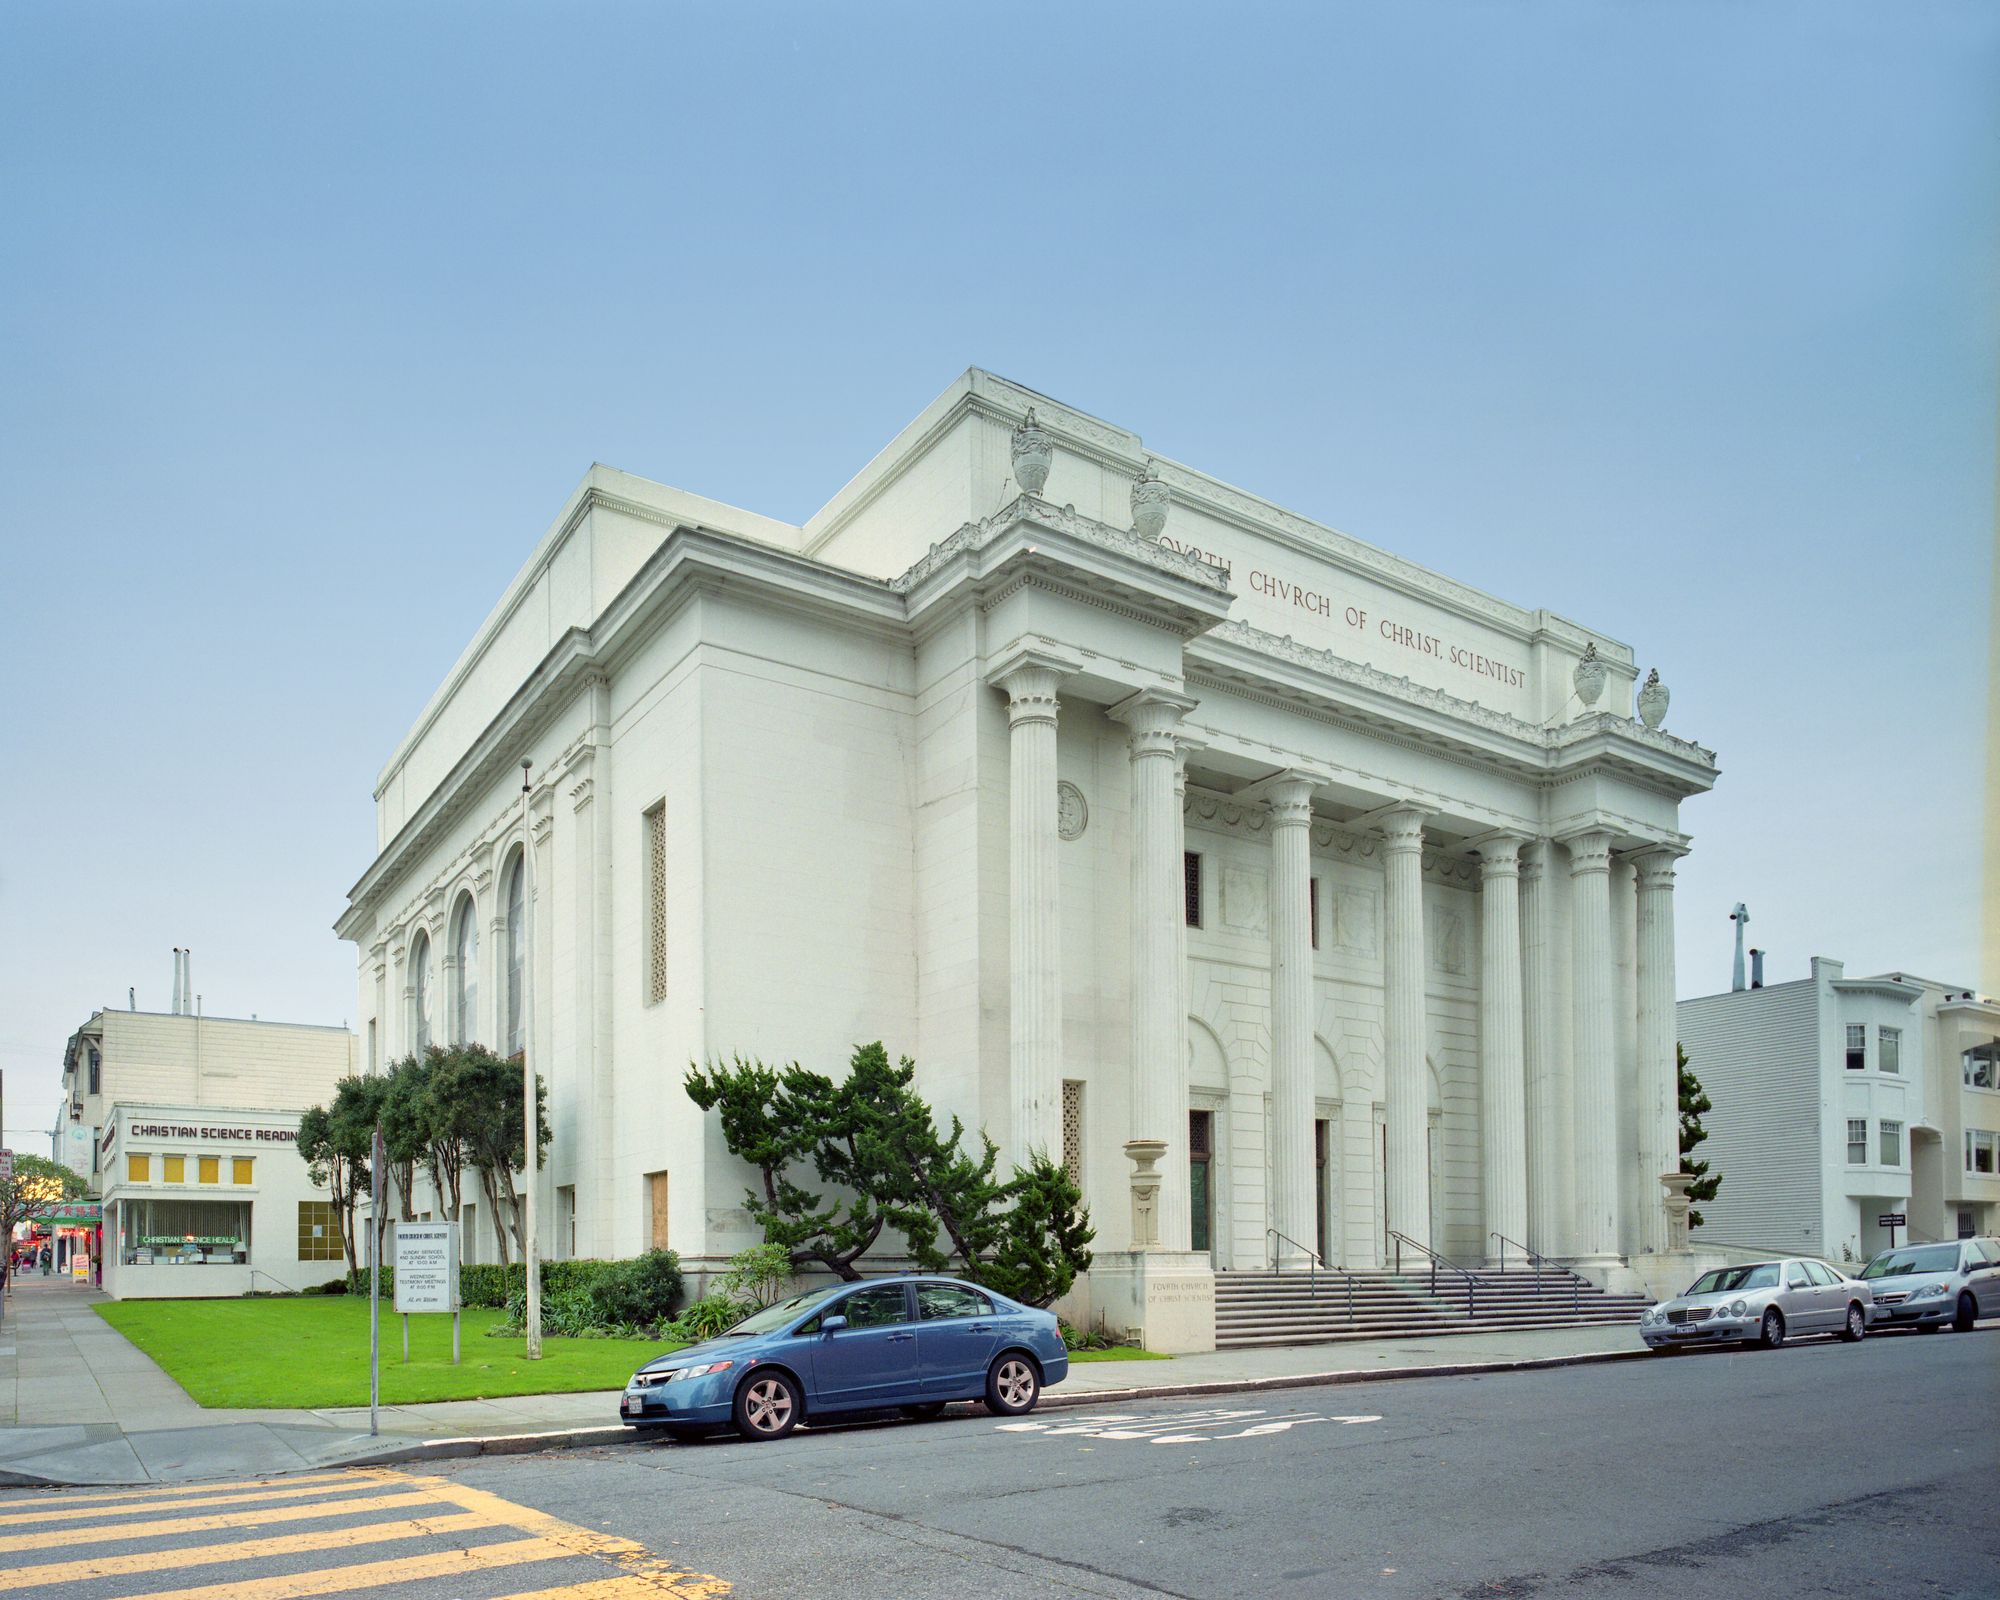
(642, 1292)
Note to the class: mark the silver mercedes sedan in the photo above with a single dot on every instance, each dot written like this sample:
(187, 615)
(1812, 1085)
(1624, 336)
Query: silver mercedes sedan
(1761, 1303)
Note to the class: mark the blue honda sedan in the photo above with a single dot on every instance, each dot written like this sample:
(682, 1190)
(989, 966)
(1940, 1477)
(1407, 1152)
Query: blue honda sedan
(913, 1344)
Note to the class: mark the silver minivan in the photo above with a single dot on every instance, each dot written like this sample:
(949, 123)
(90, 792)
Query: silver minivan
(1927, 1285)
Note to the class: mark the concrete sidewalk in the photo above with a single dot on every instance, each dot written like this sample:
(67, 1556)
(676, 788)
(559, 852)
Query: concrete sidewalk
(80, 1404)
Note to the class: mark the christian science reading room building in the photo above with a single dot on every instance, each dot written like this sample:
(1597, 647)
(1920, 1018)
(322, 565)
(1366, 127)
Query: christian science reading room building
(1301, 900)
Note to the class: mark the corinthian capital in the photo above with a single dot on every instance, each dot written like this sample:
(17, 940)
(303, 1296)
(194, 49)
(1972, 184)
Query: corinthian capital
(1154, 716)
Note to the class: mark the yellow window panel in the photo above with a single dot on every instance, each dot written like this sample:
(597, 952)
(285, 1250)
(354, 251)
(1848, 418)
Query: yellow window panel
(174, 1168)
(138, 1169)
(210, 1168)
(239, 1168)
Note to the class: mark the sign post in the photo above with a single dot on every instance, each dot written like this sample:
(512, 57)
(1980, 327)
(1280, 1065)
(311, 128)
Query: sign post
(427, 1275)
(1892, 1220)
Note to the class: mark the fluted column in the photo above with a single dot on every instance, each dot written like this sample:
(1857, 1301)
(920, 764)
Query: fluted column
(1549, 1128)
(1034, 915)
(1184, 747)
(1293, 1214)
(1406, 1102)
(1503, 1130)
(1159, 1019)
(1596, 1038)
(1625, 1054)
(1658, 1076)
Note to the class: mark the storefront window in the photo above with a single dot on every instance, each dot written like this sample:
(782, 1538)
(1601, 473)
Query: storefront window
(184, 1232)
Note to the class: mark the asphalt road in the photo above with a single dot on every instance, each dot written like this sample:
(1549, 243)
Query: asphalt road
(1819, 1469)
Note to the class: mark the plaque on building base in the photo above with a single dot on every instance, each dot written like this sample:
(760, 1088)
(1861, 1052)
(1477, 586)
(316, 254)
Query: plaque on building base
(1166, 1297)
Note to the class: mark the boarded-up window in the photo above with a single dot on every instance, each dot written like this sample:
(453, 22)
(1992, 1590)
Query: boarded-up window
(656, 904)
(319, 1231)
(656, 1211)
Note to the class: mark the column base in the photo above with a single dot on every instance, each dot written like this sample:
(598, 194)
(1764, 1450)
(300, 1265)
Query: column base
(1608, 1272)
(1166, 1296)
(1666, 1274)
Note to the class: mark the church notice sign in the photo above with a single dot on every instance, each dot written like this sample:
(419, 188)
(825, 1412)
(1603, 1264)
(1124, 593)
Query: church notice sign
(426, 1266)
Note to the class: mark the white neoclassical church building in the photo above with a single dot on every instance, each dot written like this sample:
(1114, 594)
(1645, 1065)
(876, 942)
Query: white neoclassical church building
(1133, 807)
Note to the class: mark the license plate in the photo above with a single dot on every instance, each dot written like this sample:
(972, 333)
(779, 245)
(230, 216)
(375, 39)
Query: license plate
(634, 1404)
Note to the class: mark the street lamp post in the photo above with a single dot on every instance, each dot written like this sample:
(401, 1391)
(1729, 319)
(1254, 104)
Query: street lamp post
(531, 1123)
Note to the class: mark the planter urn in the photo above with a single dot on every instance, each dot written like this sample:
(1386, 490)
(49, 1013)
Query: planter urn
(1653, 698)
(1150, 499)
(1033, 450)
(1590, 673)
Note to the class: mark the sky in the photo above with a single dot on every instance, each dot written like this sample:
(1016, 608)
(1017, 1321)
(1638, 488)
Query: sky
(1677, 320)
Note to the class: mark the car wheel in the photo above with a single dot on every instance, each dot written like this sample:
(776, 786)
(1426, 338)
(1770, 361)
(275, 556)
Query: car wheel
(1857, 1325)
(767, 1406)
(1771, 1333)
(1012, 1385)
(1968, 1313)
(925, 1411)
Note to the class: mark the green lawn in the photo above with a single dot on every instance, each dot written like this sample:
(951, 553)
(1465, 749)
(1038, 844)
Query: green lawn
(1119, 1353)
(313, 1351)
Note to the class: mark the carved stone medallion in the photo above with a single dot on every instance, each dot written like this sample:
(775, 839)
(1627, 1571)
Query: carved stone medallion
(1072, 811)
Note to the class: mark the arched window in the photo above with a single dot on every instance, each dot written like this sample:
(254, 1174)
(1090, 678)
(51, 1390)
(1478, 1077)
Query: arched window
(517, 929)
(465, 973)
(425, 990)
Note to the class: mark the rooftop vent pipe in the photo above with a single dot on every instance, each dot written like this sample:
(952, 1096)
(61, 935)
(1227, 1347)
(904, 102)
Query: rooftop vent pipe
(1756, 969)
(174, 1005)
(1741, 917)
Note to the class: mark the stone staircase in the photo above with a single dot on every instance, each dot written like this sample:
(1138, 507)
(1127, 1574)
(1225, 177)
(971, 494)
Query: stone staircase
(1269, 1308)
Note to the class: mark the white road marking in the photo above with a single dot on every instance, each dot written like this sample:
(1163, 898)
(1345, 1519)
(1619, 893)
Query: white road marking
(1192, 1427)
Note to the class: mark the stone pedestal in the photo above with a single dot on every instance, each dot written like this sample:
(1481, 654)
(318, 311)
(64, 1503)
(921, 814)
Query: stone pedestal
(1667, 1273)
(1166, 1296)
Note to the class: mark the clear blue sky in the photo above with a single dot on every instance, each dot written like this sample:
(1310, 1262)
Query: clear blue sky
(1675, 319)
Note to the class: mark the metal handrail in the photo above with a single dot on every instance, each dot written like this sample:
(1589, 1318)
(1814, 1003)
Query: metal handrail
(1436, 1261)
(1576, 1279)
(1318, 1261)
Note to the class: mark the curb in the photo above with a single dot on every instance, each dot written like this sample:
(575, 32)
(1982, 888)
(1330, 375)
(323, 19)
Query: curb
(513, 1444)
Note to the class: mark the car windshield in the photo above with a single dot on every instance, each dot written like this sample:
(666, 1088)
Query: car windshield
(771, 1318)
(1925, 1258)
(1727, 1280)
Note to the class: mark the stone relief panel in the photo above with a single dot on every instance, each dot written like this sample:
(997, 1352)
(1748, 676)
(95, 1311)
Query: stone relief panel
(1449, 941)
(1246, 899)
(1357, 920)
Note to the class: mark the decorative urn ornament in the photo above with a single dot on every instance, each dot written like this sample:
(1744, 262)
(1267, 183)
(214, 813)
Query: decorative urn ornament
(1033, 450)
(1150, 500)
(1653, 698)
(1589, 676)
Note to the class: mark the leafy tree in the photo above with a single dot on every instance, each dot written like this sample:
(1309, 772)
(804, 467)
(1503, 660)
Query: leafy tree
(337, 1142)
(406, 1119)
(875, 1138)
(37, 1182)
(1046, 1239)
(784, 1121)
(1694, 1104)
(474, 1106)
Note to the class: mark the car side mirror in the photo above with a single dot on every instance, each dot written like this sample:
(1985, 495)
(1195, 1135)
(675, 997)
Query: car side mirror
(832, 1324)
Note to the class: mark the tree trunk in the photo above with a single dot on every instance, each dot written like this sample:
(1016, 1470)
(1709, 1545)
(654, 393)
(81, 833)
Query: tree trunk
(499, 1217)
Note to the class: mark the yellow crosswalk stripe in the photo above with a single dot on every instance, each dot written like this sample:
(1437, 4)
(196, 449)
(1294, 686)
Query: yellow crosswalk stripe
(251, 1517)
(367, 1574)
(158, 1491)
(68, 1513)
(663, 1585)
(202, 1555)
